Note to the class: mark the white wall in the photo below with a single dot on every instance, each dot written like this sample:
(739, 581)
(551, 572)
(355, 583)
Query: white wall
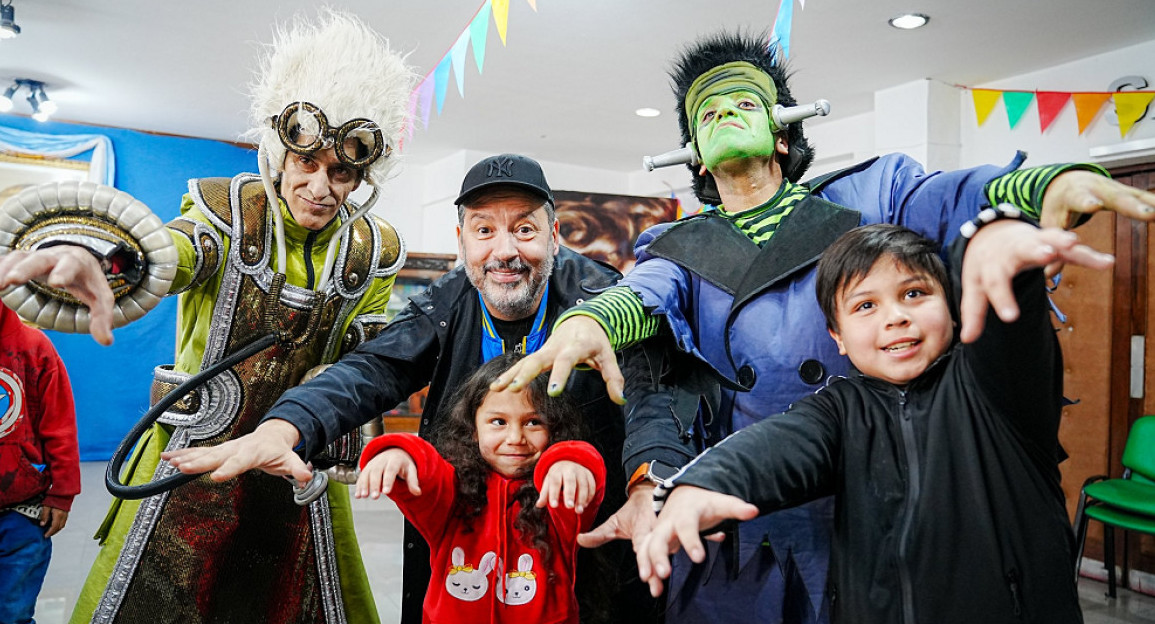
(931, 121)
(994, 142)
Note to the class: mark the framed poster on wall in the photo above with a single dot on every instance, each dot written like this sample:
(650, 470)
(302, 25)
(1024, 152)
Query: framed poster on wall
(604, 227)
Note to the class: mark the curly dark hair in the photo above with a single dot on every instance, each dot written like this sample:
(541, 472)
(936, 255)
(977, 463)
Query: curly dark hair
(456, 439)
(719, 49)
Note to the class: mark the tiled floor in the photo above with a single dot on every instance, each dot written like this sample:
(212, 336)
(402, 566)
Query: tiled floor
(379, 532)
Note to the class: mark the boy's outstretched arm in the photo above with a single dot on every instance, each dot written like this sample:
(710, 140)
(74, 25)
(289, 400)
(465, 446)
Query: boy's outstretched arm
(1001, 250)
(687, 511)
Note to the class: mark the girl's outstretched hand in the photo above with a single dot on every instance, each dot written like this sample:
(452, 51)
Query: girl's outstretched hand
(379, 475)
(569, 482)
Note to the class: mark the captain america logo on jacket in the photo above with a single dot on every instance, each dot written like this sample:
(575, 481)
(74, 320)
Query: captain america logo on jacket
(11, 401)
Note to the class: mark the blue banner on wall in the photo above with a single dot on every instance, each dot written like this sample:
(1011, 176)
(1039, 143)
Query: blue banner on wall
(111, 384)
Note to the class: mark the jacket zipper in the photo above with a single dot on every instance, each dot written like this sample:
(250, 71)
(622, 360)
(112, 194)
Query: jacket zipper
(310, 238)
(913, 492)
(1016, 595)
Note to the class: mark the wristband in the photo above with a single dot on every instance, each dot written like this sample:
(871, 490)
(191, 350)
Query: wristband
(987, 216)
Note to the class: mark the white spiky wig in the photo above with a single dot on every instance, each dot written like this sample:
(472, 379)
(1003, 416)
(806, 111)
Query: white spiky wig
(343, 66)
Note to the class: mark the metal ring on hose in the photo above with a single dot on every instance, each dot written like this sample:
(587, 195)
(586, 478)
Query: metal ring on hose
(152, 488)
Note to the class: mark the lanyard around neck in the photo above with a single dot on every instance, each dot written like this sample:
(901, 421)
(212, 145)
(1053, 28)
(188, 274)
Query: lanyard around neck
(492, 345)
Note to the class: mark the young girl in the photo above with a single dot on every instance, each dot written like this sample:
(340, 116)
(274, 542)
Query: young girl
(501, 505)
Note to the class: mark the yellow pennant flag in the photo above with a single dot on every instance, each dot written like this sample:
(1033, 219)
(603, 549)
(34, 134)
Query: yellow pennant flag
(1130, 107)
(501, 17)
(985, 100)
(1087, 106)
(532, 5)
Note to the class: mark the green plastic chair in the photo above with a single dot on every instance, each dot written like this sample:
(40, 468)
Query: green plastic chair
(1127, 503)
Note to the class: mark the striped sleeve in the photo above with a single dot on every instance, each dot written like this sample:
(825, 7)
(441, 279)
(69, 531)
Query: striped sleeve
(620, 312)
(1025, 188)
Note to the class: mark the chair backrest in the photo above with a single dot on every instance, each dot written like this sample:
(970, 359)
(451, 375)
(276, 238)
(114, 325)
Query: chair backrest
(1139, 454)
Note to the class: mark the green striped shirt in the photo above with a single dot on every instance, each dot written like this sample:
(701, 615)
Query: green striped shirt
(1024, 188)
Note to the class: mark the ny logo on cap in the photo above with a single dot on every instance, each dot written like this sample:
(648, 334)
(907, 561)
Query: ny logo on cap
(500, 167)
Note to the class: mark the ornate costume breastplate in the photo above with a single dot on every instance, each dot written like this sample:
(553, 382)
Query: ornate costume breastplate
(213, 551)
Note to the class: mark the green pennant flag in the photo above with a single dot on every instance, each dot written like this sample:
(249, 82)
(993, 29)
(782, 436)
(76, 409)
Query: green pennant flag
(1016, 103)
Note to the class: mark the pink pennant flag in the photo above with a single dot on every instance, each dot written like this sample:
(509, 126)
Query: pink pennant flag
(1050, 103)
(425, 99)
(411, 120)
(985, 100)
(1087, 106)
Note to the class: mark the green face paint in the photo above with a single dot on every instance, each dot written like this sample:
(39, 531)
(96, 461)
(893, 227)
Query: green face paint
(731, 126)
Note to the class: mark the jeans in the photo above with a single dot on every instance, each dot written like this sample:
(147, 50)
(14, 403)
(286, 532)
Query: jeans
(24, 555)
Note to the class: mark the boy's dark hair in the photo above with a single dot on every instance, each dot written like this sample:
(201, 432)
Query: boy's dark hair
(456, 440)
(852, 256)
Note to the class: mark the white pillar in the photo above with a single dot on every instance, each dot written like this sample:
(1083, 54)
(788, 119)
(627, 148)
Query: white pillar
(920, 119)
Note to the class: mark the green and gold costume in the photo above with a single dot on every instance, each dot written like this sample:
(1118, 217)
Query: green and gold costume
(243, 550)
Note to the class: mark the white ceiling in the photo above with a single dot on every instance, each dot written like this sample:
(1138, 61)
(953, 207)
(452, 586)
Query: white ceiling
(565, 87)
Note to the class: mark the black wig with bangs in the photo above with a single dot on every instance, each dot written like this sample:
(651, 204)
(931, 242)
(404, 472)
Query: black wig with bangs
(719, 49)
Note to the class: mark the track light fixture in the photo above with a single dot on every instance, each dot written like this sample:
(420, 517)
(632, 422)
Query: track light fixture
(8, 27)
(42, 106)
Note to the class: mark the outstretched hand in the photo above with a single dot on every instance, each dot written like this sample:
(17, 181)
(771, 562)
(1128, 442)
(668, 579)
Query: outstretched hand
(568, 483)
(687, 511)
(1001, 250)
(269, 448)
(1074, 193)
(578, 340)
(383, 471)
(70, 268)
(633, 521)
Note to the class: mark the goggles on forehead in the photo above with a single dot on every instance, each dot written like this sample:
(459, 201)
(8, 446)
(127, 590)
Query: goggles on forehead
(304, 129)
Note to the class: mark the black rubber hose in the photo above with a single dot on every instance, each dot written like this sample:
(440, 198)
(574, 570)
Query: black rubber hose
(135, 492)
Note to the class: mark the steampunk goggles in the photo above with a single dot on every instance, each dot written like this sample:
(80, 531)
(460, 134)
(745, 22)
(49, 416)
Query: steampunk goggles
(304, 129)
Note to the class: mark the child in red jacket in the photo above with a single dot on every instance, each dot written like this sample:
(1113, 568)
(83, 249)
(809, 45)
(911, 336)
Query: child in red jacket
(501, 505)
(39, 461)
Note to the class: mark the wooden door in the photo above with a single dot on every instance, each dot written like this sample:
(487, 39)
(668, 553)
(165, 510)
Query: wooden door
(1109, 314)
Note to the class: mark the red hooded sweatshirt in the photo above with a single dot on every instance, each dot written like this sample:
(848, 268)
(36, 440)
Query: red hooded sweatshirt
(38, 448)
(488, 571)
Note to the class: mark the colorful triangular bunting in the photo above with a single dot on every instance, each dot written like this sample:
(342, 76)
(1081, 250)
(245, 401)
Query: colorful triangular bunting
(1130, 107)
(501, 17)
(441, 81)
(479, 33)
(1016, 103)
(425, 99)
(533, 5)
(457, 54)
(1050, 103)
(1087, 106)
(985, 100)
(780, 34)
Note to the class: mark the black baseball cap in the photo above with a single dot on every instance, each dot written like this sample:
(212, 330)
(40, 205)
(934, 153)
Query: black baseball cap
(513, 169)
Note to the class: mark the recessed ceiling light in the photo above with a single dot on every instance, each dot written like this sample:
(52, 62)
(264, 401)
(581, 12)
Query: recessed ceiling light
(647, 112)
(909, 21)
